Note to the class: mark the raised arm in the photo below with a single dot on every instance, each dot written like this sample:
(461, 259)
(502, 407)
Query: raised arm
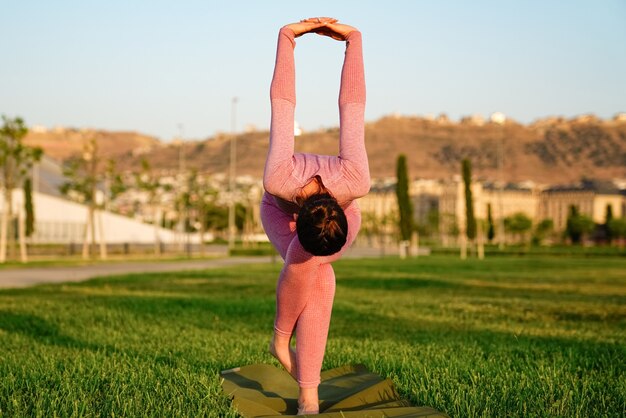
(351, 117)
(352, 151)
(283, 102)
(279, 163)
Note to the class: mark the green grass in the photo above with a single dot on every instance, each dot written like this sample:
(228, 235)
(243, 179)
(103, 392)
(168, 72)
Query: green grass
(509, 336)
(549, 250)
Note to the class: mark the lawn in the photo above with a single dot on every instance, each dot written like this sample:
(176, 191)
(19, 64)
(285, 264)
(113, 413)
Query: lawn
(508, 336)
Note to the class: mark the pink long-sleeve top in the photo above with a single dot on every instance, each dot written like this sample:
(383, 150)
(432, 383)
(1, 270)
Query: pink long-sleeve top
(346, 176)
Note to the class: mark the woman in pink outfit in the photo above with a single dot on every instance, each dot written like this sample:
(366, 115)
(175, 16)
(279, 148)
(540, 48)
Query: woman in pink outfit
(308, 209)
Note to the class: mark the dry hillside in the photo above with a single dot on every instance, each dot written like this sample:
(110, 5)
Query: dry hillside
(552, 150)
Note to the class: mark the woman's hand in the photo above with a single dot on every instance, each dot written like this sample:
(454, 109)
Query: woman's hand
(337, 31)
(309, 25)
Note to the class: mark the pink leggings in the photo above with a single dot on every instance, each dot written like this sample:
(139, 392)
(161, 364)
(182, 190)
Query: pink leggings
(305, 289)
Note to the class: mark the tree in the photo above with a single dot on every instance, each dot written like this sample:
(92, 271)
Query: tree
(518, 224)
(577, 225)
(148, 182)
(28, 207)
(369, 226)
(542, 230)
(491, 229)
(610, 234)
(618, 226)
(470, 229)
(115, 184)
(405, 208)
(82, 173)
(431, 226)
(16, 159)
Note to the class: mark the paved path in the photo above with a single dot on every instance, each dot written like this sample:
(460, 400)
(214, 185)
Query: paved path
(30, 276)
(23, 277)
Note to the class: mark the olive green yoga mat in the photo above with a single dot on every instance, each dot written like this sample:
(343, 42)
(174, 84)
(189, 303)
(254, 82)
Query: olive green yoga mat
(261, 390)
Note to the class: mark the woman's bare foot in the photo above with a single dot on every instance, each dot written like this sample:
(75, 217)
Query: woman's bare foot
(308, 401)
(282, 351)
(305, 411)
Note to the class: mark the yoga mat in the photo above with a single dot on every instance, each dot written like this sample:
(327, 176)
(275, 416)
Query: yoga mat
(262, 390)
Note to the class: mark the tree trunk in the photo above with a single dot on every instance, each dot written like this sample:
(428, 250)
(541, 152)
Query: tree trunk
(92, 221)
(481, 242)
(202, 232)
(415, 244)
(155, 221)
(4, 230)
(22, 236)
(103, 244)
(6, 236)
(463, 239)
(88, 229)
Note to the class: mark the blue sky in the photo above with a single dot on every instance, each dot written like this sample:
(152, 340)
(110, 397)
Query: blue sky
(150, 66)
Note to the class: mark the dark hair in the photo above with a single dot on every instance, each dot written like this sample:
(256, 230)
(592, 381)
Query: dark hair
(322, 226)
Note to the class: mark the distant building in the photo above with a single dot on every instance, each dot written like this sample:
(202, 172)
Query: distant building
(534, 201)
(379, 212)
(425, 195)
(475, 120)
(39, 129)
(381, 200)
(443, 119)
(590, 197)
(587, 118)
(505, 200)
(620, 117)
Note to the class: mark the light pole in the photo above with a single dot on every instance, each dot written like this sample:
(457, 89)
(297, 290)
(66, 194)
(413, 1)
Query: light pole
(499, 119)
(231, 176)
(181, 184)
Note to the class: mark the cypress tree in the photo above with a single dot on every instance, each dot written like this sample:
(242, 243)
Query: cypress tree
(577, 225)
(405, 208)
(491, 230)
(607, 223)
(469, 205)
(572, 228)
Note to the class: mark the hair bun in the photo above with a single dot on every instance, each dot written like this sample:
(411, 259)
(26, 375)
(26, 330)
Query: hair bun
(322, 226)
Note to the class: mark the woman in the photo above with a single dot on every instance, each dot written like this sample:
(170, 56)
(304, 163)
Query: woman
(308, 210)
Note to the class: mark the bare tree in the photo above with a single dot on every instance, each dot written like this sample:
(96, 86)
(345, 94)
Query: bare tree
(83, 175)
(147, 181)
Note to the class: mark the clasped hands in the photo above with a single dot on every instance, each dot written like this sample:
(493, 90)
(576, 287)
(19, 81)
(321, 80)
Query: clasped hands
(326, 26)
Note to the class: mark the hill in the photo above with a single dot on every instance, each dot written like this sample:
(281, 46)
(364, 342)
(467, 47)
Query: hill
(62, 143)
(552, 150)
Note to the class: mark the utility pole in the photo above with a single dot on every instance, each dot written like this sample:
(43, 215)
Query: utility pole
(231, 177)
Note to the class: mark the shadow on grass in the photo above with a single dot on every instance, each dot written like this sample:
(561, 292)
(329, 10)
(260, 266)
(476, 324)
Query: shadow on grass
(45, 333)
(581, 352)
(480, 288)
(202, 312)
(39, 329)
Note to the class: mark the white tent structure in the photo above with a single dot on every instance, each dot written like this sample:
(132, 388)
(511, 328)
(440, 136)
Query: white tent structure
(60, 221)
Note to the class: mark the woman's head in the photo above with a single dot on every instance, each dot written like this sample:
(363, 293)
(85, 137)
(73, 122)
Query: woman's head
(322, 226)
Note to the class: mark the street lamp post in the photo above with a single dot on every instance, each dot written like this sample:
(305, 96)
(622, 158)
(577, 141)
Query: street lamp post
(231, 177)
(499, 119)
(183, 244)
